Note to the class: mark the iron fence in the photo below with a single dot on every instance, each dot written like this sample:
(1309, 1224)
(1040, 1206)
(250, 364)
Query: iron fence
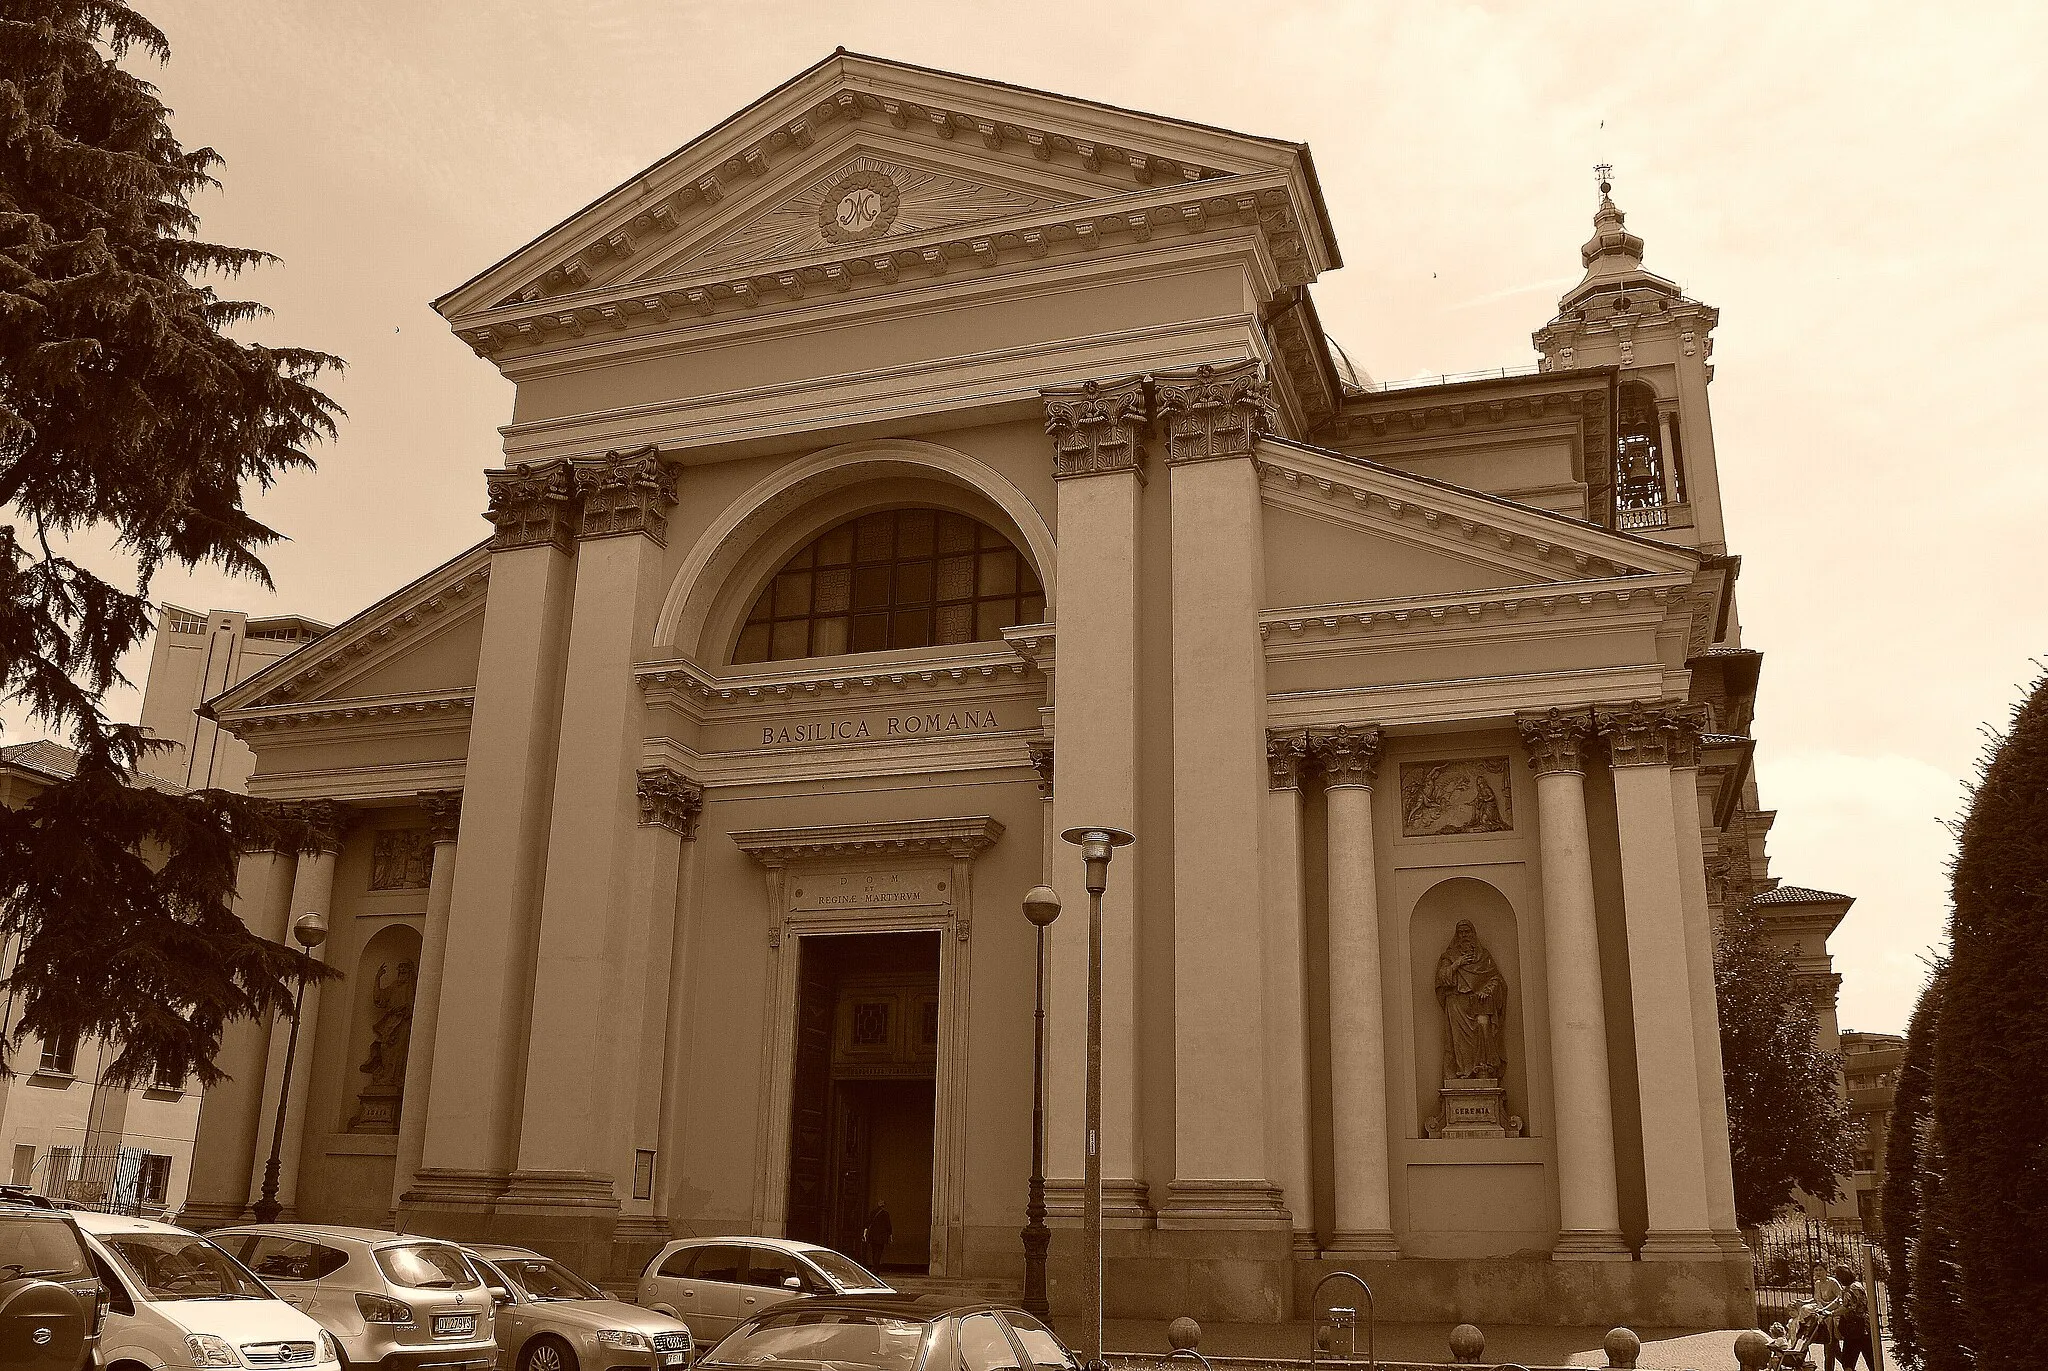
(1790, 1259)
(127, 1180)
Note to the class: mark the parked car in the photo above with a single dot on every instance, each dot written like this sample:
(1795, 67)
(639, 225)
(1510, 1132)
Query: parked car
(551, 1319)
(892, 1333)
(51, 1304)
(715, 1284)
(393, 1301)
(175, 1298)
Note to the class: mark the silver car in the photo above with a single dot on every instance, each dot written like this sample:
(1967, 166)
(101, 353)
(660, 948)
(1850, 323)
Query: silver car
(551, 1319)
(396, 1302)
(715, 1284)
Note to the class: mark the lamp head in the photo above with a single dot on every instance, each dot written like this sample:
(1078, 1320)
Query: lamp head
(1097, 845)
(309, 930)
(1041, 905)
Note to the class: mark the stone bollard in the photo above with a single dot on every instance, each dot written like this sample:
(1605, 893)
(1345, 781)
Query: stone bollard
(1468, 1344)
(1752, 1350)
(1623, 1347)
(1184, 1334)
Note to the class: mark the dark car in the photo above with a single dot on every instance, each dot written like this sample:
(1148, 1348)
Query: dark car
(892, 1333)
(50, 1297)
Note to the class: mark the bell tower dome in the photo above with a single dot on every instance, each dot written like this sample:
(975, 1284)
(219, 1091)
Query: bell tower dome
(1622, 315)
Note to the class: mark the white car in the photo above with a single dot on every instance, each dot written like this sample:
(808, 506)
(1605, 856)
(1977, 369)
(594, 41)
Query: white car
(174, 1299)
(715, 1284)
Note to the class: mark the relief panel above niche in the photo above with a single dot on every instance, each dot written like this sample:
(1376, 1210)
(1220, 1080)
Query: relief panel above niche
(865, 199)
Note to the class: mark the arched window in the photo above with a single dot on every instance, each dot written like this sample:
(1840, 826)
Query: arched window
(895, 578)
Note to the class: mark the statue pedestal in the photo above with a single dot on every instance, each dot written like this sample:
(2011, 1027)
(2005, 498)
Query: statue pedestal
(1476, 1108)
(376, 1110)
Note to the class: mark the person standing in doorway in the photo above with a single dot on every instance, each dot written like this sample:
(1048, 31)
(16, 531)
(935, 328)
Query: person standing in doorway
(875, 1237)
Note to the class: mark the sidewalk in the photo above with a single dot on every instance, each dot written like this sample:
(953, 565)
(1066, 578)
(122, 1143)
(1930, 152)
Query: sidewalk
(1664, 1349)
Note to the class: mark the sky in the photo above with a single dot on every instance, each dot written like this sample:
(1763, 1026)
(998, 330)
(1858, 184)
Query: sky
(1857, 187)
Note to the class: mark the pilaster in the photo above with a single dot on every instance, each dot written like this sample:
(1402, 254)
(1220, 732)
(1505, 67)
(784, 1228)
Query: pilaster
(443, 809)
(1286, 974)
(670, 805)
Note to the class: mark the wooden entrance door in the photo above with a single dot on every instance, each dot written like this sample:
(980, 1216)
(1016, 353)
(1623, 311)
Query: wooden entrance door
(810, 1140)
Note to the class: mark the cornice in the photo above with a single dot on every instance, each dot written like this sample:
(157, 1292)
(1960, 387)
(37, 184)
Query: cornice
(686, 681)
(627, 310)
(381, 715)
(1463, 699)
(1034, 643)
(963, 838)
(1655, 598)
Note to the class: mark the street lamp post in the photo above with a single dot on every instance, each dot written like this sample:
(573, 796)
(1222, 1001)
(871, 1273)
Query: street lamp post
(1097, 846)
(308, 931)
(1041, 906)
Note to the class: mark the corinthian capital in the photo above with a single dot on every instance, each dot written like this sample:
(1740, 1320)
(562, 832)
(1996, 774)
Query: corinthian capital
(1211, 411)
(1041, 762)
(1096, 427)
(533, 504)
(627, 492)
(327, 823)
(669, 800)
(1286, 759)
(1637, 734)
(444, 813)
(1685, 725)
(1349, 755)
(1556, 740)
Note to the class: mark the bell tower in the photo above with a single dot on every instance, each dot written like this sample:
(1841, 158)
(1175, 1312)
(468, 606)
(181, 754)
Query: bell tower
(1621, 315)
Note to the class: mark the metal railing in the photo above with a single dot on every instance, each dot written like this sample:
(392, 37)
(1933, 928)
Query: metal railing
(1326, 1324)
(1451, 378)
(127, 1180)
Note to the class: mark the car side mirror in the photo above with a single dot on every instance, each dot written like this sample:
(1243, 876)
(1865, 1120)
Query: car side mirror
(499, 1294)
(792, 1282)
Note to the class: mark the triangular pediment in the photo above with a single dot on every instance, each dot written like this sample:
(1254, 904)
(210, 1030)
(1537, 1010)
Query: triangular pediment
(866, 197)
(420, 641)
(947, 150)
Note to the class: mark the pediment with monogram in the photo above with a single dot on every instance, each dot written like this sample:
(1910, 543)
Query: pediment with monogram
(862, 199)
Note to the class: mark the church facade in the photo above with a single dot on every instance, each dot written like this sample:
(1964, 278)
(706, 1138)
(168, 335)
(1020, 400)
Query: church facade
(907, 470)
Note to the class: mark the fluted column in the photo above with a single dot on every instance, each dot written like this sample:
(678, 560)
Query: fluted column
(1286, 972)
(312, 893)
(1660, 980)
(1685, 732)
(669, 808)
(1349, 758)
(1096, 430)
(1589, 1225)
(231, 1118)
(444, 816)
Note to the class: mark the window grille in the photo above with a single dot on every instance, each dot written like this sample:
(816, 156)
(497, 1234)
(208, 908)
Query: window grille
(897, 578)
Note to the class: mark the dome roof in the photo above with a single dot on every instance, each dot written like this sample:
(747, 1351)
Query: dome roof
(1350, 375)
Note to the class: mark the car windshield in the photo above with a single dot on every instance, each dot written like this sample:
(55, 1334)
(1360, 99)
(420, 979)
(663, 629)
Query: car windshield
(180, 1266)
(829, 1336)
(546, 1280)
(845, 1273)
(427, 1266)
(34, 1244)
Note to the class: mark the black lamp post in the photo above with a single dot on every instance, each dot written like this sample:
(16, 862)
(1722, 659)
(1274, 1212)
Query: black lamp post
(1041, 906)
(1097, 846)
(308, 931)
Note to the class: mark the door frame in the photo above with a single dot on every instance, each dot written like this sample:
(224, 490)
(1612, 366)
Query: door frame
(914, 876)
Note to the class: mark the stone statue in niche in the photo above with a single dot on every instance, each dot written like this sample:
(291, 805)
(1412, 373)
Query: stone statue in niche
(1474, 998)
(1467, 795)
(390, 1044)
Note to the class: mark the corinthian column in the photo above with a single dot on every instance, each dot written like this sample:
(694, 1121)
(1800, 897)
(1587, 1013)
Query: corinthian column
(1589, 1226)
(444, 816)
(1287, 1128)
(1350, 759)
(1660, 981)
(1098, 459)
(669, 807)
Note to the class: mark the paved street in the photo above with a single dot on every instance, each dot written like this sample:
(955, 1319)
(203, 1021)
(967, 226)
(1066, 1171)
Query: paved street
(1664, 1349)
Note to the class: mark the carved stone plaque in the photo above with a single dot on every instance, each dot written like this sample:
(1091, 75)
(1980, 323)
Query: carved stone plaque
(876, 889)
(1463, 795)
(402, 859)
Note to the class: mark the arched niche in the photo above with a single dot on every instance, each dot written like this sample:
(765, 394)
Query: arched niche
(727, 566)
(382, 993)
(1431, 928)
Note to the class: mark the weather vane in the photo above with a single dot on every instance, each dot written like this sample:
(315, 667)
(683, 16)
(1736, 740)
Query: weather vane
(1605, 171)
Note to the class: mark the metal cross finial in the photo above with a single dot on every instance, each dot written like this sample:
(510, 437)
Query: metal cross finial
(1605, 172)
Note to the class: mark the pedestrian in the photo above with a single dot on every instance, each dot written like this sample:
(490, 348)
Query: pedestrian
(875, 1237)
(1850, 1320)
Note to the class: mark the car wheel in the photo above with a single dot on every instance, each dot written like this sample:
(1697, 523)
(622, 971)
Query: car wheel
(547, 1354)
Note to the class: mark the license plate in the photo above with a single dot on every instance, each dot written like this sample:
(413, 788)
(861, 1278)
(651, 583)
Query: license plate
(676, 1359)
(454, 1325)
